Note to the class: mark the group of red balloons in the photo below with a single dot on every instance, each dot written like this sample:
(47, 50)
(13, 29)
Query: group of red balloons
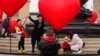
(10, 7)
(1, 14)
(58, 13)
(93, 18)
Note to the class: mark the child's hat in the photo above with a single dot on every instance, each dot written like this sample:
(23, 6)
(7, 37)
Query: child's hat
(66, 38)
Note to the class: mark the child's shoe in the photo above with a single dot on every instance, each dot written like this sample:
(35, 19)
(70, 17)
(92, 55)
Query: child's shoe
(23, 51)
(19, 51)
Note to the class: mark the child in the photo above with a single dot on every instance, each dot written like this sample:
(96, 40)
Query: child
(66, 46)
(19, 31)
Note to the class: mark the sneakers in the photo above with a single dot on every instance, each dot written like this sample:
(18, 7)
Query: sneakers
(21, 51)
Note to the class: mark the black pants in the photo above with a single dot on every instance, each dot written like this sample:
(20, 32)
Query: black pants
(21, 44)
(35, 38)
(5, 31)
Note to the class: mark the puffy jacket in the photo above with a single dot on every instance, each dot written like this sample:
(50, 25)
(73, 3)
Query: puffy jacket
(65, 45)
(49, 46)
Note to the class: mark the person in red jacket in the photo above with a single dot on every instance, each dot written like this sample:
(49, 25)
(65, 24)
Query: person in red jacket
(48, 45)
(19, 34)
(65, 45)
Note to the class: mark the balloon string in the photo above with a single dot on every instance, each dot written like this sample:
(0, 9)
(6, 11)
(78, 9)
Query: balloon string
(24, 22)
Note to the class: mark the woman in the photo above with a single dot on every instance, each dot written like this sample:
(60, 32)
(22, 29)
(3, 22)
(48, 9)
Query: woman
(76, 43)
(37, 32)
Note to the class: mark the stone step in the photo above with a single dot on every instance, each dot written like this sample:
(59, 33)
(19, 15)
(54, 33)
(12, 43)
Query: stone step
(92, 44)
(15, 50)
(29, 49)
(57, 38)
(29, 39)
(29, 42)
(29, 45)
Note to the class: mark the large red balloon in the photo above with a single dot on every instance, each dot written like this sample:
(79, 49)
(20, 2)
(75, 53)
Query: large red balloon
(12, 24)
(59, 13)
(10, 7)
(93, 18)
(1, 13)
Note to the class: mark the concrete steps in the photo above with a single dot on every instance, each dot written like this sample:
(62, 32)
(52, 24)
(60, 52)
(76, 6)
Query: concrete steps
(92, 45)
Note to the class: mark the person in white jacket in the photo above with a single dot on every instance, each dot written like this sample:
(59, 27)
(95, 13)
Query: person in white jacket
(76, 43)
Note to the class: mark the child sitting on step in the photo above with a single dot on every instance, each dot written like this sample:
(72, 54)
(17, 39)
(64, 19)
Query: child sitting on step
(65, 45)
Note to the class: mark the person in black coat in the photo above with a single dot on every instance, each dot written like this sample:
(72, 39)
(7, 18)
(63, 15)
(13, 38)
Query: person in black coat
(38, 30)
(48, 45)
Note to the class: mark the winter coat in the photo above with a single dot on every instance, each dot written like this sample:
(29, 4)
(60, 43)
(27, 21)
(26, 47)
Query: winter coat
(65, 45)
(19, 31)
(76, 43)
(38, 28)
(48, 46)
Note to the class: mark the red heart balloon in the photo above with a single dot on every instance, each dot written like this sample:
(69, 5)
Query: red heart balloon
(10, 7)
(59, 13)
(1, 13)
(93, 18)
(12, 24)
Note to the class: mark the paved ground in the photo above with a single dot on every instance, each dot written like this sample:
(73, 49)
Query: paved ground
(51, 55)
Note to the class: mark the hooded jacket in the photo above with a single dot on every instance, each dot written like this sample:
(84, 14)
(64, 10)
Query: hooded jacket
(48, 46)
(76, 44)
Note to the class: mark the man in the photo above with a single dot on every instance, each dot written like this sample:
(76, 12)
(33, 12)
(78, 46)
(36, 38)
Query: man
(5, 25)
(48, 45)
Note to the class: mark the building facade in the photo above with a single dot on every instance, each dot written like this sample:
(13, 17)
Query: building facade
(23, 12)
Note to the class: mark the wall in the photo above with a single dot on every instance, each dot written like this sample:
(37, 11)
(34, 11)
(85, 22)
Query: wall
(97, 7)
